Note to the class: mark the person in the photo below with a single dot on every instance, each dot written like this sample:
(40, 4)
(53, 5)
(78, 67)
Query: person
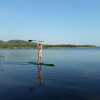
(39, 53)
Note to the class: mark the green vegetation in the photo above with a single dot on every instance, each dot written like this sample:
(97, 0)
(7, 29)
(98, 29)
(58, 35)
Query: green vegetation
(70, 46)
(13, 44)
(16, 44)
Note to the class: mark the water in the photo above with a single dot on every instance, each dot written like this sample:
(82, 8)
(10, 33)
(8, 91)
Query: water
(76, 75)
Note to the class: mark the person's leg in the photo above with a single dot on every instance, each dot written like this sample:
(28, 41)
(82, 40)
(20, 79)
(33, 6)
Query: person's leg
(38, 59)
(41, 60)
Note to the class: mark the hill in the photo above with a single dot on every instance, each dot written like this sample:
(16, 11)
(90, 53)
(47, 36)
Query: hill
(26, 44)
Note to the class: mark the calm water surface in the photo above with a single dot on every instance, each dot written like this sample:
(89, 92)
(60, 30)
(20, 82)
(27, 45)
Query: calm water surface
(76, 75)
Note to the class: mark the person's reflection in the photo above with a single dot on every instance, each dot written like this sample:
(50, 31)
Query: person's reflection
(38, 89)
(40, 75)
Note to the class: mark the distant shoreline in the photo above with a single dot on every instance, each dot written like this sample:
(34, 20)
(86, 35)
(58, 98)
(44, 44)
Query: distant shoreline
(45, 46)
(22, 44)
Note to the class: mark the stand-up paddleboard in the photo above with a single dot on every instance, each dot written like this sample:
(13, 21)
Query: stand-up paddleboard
(35, 63)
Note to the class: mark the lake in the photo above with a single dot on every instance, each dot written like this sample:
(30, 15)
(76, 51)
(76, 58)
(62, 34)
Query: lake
(75, 76)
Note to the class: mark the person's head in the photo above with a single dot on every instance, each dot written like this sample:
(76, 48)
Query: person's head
(40, 45)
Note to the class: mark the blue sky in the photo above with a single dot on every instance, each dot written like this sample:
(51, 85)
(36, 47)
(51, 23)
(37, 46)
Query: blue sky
(54, 21)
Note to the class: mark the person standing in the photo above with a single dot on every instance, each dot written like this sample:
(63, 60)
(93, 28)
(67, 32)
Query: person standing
(39, 48)
(39, 53)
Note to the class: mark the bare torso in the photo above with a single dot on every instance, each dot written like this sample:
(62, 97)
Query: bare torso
(39, 53)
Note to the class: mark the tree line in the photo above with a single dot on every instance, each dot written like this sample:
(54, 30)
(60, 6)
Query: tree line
(26, 44)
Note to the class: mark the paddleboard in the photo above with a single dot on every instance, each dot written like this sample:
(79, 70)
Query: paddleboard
(35, 63)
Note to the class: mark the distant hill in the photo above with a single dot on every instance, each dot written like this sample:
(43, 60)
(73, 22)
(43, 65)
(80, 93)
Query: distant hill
(17, 41)
(26, 44)
(16, 44)
(1, 41)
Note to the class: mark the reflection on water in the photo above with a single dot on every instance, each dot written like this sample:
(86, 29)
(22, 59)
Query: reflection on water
(38, 89)
(75, 77)
(40, 78)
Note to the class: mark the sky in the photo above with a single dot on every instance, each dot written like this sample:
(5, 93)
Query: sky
(54, 21)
